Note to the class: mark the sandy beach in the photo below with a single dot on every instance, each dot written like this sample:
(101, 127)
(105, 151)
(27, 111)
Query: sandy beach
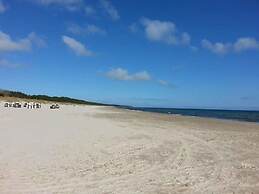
(91, 149)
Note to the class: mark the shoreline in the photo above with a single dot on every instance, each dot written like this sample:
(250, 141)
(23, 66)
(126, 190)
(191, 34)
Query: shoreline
(178, 119)
(199, 116)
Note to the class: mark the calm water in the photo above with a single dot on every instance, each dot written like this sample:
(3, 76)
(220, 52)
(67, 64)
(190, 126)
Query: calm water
(251, 116)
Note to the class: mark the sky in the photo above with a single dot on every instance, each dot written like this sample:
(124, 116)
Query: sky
(168, 53)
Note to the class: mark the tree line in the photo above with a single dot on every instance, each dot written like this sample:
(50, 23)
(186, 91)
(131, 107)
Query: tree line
(62, 99)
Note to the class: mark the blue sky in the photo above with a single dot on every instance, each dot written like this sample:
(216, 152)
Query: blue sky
(146, 53)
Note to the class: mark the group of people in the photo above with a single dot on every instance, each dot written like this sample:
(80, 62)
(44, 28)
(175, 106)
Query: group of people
(29, 105)
(54, 106)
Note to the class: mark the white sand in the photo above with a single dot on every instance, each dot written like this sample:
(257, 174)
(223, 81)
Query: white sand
(88, 149)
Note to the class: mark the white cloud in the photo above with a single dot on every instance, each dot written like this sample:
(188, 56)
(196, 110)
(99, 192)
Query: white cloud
(246, 43)
(88, 29)
(122, 74)
(7, 64)
(164, 31)
(2, 7)
(68, 4)
(241, 44)
(218, 47)
(7, 44)
(110, 9)
(76, 46)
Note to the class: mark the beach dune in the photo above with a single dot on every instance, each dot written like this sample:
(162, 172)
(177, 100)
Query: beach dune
(95, 149)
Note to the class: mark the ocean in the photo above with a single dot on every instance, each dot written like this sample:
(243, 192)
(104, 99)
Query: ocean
(240, 115)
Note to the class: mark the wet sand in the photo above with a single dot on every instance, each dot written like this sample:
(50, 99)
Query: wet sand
(89, 149)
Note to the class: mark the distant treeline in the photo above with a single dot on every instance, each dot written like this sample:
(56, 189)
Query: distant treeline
(4, 93)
